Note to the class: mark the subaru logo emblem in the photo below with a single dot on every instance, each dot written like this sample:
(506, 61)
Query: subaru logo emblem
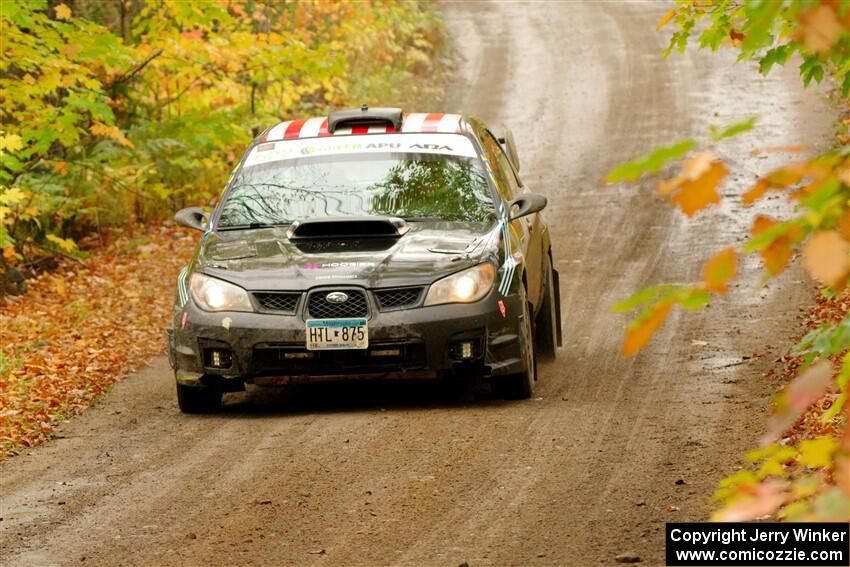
(336, 297)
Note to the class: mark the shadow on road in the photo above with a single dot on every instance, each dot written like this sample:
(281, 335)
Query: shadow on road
(355, 396)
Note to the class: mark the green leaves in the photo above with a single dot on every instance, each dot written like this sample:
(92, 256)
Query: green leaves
(718, 133)
(651, 163)
(825, 341)
(769, 32)
(775, 56)
(153, 117)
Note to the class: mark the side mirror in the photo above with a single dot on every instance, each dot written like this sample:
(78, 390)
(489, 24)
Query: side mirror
(528, 203)
(192, 217)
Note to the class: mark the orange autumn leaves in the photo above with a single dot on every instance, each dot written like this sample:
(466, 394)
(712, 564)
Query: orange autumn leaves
(820, 232)
(81, 328)
(716, 274)
(696, 186)
(826, 256)
(822, 194)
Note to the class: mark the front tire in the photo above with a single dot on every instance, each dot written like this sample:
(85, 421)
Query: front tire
(521, 386)
(198, 399)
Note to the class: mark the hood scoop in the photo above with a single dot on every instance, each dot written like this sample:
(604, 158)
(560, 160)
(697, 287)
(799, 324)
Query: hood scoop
(346, 228)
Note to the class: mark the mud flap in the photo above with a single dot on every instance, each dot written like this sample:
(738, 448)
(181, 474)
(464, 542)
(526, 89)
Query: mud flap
(556, 281)
(172, 355)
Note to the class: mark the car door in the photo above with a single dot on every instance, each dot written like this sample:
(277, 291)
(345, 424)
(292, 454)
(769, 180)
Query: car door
(525, 230)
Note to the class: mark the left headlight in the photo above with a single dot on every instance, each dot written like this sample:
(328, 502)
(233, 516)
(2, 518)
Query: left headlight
(216, 295)
(463, 287)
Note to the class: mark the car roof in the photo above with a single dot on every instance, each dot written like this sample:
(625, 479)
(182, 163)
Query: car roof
(422, 122)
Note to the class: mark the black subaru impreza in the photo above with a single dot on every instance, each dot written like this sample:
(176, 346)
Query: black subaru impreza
(368, 244)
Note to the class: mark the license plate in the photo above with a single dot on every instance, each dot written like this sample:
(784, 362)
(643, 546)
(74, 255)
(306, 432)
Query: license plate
(337, 334)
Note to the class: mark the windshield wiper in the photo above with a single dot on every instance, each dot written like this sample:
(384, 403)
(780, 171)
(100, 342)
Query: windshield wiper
(252, 225)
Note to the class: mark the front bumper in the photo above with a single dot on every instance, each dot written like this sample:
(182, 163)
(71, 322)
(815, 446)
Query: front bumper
(416, 343)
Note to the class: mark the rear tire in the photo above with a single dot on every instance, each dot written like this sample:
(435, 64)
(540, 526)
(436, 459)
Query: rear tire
(521, 386)
(198, 399)
(546, 322)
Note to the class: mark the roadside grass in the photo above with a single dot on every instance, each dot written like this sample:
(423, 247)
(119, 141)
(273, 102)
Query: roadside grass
(83, 327)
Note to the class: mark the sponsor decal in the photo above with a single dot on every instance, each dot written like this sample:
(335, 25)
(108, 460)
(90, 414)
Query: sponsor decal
(337, 265)
(431, 147)
(184, 320)
(338, 277)
(502, 309)
(436, 143)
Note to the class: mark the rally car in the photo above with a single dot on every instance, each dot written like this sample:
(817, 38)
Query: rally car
(370, 244)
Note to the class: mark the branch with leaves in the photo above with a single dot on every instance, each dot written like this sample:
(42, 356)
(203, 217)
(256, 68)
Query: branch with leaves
(808, 480)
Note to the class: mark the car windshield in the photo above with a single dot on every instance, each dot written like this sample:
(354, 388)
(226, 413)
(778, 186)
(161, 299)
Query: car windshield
(408, 185)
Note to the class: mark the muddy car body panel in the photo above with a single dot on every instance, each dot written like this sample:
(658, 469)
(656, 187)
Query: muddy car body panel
(393, 214)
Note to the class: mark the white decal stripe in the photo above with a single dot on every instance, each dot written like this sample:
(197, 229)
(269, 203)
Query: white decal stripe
(506, 267)
(507, 278)
(344, 131)
(310, 129)
(449, 123)
(276, 133)
(181, 287)
(413, 122)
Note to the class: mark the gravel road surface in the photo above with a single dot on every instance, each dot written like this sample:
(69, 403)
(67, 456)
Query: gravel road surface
(367, 475)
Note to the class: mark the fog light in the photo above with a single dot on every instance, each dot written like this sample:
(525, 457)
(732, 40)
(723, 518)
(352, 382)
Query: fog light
(219, 358)
(466, 349)
(298, 355)
(387, 352)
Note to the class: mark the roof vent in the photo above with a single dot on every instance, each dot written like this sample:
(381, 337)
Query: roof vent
(364, 115)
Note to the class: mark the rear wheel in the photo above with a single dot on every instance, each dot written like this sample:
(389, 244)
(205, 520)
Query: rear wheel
(521, 386)
(546, 322)
(198, 399)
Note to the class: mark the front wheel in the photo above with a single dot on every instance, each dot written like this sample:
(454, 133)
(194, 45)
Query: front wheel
(198, 399)
(521, 386)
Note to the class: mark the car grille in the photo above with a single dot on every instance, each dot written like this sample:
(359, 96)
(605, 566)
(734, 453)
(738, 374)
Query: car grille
(391, 299)
(284, 302)
(320, 308)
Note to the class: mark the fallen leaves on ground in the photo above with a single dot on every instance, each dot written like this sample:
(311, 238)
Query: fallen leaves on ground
(81, 328)
(803, 474)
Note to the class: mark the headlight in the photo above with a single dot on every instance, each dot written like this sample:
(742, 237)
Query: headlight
(216, 295)
(463, 287)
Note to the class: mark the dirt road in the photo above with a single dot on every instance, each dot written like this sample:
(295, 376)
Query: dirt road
(360, 475)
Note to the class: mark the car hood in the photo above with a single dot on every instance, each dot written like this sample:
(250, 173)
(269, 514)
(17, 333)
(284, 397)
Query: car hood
(265, 259)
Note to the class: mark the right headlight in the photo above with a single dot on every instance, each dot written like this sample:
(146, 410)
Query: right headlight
(463, 287)
(212, 294)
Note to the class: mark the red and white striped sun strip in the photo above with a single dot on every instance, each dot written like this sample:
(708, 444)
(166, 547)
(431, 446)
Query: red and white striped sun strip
(318, 127)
